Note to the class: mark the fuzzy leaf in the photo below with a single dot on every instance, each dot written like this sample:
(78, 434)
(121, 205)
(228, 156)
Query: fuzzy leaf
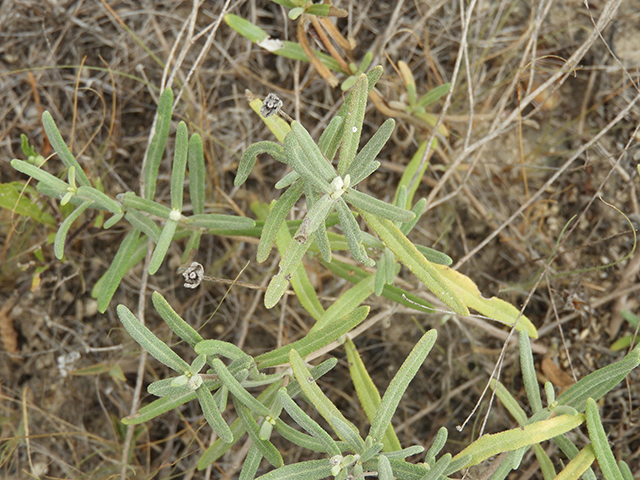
(61, 148)
(61, 234)
(158, 142)
(147, 340)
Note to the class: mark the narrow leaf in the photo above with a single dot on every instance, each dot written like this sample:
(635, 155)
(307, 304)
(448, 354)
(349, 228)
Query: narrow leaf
(328, 136)
(221, 348)
(147, 340)
(307, 423)
(384, 469)
(157, 408)
(312, 153)
(434, 95)
(118, 268)
(40, 175)
(377, 207)
(181, 328)
(144, 224)
(324, 406)
(61, 148)
(250, 155)
(370, 151)
(510, 403)
(218, 221)
(353, 124)
(352, 233)
(439, 468)
(314, 340)
(265, 446)
(601, 447)
(251, 464)
(132, 202)
(164, 241)
(213, 415)
(489, 445)
(368, 394)
(529, 376)
(578, 465)
(61, 234)
(197, 173)
(597, 384)
(347, 303)
(309, 470)
(96, 196)
(275, 218)
(407, 253)
(400, 383)
(158, 142)
(290, 261)
(179, 166)
(237, 390)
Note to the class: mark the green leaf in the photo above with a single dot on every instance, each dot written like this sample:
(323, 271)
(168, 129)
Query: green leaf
(266, 447)
(409, 255)
(494, 308)
(245, 28)
(436, 445)
(197, 173)
(510, 403)
(217, 221)
(119, 267)
(213, 415)
(12, 198)
(354, 274)
(381, 209)
(309, 470)
(275, 218)
(368, 394)
(53, 182)
(219, 347)
(439, 468)
(352, 233)
(353, 124)
(372, 77)
(578, 465)
(384, 469)
(411, 172)
(96, 196)
(370, 151)
(312, 173)
(61, 234)
(494, 444)
(328, 136)
(351, 436)
(181, 328)
(346, 303)
(570, 450)
(157, 408)
(314, 340)
(307, 423)
(179, 166)
(250, 155)
(597, 384)
(158, 142)
(289, 263)
(237, 390)
(219, 447)
(324, 406)
(164, 241)
(132, 202)
(294, 51)
(144, 224)
(601, 447)
(529, 376)
(251, 464)
(434, 95)
(312, 154)
(59, 145)
(147, 340)
(400, 383)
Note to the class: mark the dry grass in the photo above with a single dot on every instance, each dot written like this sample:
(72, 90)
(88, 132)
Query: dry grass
(542, 122)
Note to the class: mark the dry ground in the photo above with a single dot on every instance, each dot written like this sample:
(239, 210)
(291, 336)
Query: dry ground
(95, 65)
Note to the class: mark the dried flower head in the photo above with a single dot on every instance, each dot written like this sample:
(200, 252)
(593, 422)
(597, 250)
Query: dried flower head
(193, 275)
(271, 105)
